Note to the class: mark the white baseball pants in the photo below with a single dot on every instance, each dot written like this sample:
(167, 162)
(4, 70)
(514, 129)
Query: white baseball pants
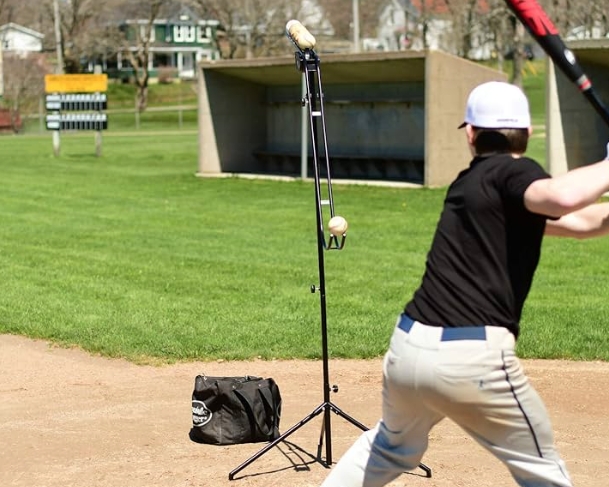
(475, 380)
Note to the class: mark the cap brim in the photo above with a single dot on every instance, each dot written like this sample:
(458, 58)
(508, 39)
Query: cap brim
(462, 125)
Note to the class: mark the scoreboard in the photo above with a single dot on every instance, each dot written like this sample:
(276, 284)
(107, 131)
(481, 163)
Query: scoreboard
(76, 102)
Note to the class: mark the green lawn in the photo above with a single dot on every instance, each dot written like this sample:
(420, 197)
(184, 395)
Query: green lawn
(123, 95)
(534, 85)
(131, 255)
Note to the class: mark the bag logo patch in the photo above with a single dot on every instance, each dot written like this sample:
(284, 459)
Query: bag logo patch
(201, 415)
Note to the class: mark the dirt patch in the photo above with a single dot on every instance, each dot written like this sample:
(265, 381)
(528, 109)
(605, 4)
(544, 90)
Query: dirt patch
(69, 419)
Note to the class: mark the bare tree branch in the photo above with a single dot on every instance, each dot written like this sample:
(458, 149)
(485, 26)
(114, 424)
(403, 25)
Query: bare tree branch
(250, 28)
(138, 55)
(24, 85)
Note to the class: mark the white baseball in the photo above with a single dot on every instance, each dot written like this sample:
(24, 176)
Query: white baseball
(338, 225)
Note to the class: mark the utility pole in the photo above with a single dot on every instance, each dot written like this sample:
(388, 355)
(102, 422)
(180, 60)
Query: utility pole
(58, 37)
(356, 40)
(1, 66)
(248, 34)
(59, 69)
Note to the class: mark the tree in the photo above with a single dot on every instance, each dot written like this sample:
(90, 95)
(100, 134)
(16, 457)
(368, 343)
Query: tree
(493, 23)
(509, 35)
(24, 84)
(340, 15)
(80, 26)
(498, 26)
(136, 39)
(465, 16)
(78, 31)
(251, 28)
(3, 9)
(518, 58)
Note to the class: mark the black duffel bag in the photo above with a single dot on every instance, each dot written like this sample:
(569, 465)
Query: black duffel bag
(233, 410)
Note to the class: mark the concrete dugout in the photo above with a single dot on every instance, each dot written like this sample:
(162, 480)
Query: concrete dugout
(389, 116)
(576, 134)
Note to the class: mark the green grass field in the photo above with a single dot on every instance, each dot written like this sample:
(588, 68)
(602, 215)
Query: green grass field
(131, 255)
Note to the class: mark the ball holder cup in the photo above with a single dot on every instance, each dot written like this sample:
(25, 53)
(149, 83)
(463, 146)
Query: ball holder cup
(307, 62)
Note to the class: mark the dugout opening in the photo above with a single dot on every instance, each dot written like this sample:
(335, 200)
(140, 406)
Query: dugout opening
(389, 116)
(576, 134)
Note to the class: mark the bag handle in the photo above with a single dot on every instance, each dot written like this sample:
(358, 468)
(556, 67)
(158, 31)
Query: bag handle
(269, 402)
(254, 421)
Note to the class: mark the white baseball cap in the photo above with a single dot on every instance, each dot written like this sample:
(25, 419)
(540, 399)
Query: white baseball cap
(497, 105)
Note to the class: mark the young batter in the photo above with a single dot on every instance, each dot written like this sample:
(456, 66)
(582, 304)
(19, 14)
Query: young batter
(452, 351)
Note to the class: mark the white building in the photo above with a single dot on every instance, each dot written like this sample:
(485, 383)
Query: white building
(398, 21)
(19, 40)
(420, 24)
(402, 26)
(582, 32)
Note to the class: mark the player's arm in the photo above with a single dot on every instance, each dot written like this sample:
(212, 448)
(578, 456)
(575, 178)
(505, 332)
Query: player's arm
(568, 192)
(590, 221)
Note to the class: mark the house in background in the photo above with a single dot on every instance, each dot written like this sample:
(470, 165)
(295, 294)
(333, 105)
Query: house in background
(398, 20)
(595, 31)
(404, 23)
(422, 24)
(19, 41)
(177, 44)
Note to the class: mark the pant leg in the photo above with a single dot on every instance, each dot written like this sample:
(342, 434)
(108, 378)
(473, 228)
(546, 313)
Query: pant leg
(518, 431)
(397, 443)
(478, 384)
(491, 398)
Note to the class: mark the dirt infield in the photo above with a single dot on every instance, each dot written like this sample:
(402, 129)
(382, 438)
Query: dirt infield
(71, 419)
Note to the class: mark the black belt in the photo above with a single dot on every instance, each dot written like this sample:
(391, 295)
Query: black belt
(448, 334)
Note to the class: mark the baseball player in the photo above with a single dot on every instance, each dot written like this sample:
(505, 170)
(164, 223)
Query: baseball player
(452, 351)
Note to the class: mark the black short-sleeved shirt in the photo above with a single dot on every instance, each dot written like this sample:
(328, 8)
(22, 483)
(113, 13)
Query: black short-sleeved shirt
(485, 250)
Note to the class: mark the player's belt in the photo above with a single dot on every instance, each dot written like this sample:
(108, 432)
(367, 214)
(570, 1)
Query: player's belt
(448, 334)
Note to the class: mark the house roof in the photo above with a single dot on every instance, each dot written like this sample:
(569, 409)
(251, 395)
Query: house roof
(20, 28)
(430, 6)
(440, 7)
(183, 16)
(405, 5)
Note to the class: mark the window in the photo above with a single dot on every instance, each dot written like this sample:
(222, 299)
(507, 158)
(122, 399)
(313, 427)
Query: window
(143, 33)
(204, 34)
(184, 33)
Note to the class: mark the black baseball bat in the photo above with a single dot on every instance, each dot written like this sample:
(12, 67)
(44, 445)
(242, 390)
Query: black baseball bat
(534, 18)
